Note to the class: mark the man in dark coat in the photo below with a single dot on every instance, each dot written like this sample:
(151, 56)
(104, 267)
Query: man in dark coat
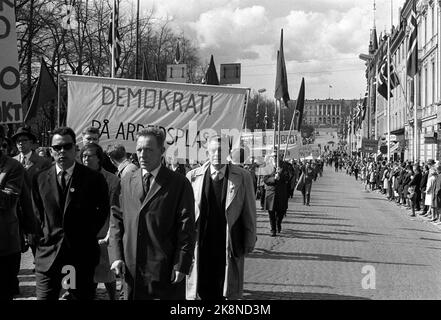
(423, 185)
(416, 182)
(71, 203)
(276, 197)
(33, 163)
(152, 237)
(12, 184)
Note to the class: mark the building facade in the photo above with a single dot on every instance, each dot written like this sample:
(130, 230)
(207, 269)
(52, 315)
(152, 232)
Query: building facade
(327, 112)
(414, 98)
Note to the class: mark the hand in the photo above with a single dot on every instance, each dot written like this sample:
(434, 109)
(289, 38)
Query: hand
(277, 176)
(118, 267)
(177, 276)
(103, 241)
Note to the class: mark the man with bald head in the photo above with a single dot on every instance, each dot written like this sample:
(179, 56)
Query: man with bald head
(225, 215)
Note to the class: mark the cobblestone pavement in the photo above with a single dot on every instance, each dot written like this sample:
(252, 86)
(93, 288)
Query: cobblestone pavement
(322, 249)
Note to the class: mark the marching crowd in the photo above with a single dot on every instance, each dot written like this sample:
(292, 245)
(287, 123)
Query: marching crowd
(168, 230)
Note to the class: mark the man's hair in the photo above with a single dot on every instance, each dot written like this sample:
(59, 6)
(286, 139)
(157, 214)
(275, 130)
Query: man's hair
(95, 148)
(155, 132)
(116, 152)
(91, 130)
(64, 131)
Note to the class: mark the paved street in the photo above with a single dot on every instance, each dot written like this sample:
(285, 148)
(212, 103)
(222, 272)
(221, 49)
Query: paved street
(323, 248)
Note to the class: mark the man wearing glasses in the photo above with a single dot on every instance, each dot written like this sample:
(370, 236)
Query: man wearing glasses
(71, 203)
(24, 139)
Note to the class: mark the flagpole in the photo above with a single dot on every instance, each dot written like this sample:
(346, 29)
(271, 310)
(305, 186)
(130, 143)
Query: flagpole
(415, 121)
(274, 124)
(278, 138)
(388, 98)
(289, 133)
(137, 41)
(113, 39)
(58, 93)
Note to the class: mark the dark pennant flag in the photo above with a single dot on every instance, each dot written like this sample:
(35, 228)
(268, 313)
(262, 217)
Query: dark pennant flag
(117, 48)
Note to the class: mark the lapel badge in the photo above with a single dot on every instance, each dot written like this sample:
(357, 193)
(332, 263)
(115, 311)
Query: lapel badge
(72, 189)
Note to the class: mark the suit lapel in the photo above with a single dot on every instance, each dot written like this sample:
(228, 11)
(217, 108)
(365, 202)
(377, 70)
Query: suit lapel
(197, 181)
(234, 182)
(52, 183)
(159, 182)
(33, 159)
(72, 186)
(136, 185)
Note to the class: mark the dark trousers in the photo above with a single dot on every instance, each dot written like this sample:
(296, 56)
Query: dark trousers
(9, 268)
(143, 290)
(276, 218)
(306, 193)
(417, 200)
(49, 283)
(262, 196)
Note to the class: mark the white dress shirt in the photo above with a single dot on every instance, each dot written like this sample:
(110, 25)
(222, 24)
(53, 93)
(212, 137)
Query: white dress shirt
(214, 172)
(69, 172)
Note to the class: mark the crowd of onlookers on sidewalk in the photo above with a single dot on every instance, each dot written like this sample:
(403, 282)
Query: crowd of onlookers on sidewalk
(413, 186)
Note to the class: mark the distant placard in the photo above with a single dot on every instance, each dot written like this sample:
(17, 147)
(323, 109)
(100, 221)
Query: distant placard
(177, 73)
(230, 73)
(10, 95)
(369, 145)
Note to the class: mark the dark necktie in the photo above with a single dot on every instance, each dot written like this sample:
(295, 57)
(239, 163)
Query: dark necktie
(23, 161)
(146, 183)
(63, 180)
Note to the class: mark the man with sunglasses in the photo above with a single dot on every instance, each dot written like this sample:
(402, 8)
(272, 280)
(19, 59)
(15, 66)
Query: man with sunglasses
(71, 203)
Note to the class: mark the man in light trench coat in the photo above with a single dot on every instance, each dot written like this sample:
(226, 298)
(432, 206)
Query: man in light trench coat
(225, 215)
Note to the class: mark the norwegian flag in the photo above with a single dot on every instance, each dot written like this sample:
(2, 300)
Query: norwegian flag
(412, 50)
(115, 42)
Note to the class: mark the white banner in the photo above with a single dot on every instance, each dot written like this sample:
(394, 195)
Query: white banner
(10, 95)
(187, 113)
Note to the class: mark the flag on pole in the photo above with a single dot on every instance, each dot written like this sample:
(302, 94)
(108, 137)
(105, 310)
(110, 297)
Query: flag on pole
(412, 50)
(383, 74)
(356, 116)
(281, 92)
(115, 42)
(364, 105)
(45, 91)
(211, 74)
(300, 105)
(177, 54)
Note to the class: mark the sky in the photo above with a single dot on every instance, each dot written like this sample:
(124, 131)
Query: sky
(322, 39)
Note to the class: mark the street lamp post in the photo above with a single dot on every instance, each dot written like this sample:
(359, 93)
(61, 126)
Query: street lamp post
(257, 108)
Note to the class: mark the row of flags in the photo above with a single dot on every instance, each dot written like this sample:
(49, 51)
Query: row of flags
(383, 73)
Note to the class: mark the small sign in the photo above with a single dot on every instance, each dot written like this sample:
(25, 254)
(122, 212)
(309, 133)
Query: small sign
(177, 73)
(230, 73)
(369, 146)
